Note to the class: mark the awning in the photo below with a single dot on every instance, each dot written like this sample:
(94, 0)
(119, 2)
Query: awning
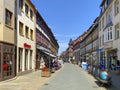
(49, 54)
(46, 51)
(42, 48)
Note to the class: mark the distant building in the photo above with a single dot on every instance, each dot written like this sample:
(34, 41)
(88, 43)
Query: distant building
(76, 49)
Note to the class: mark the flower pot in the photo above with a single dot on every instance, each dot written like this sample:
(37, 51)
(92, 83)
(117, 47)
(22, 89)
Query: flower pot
(45, 73)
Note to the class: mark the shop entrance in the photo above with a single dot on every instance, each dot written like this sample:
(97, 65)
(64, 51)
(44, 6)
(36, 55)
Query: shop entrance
(112, 59)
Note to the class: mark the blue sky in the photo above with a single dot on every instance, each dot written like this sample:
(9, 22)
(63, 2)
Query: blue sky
(68, 18)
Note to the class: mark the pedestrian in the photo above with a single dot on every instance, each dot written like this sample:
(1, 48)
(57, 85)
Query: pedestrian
(105, 74)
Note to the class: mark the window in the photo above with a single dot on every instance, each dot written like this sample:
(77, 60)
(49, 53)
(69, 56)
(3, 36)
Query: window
(109, 16)
(102, 39)
(108, 34)
(117, 31)
(8, 60)
(31, 59)
(21, 4)
(31, 34)
(8, 18)
(116, 7)
(15, 25)
(100, 25)
(103, 22)
(21, 30)
(26, 59)
(26, 32)
(26, 9)
(0, 61)
(31, 14)
(20, 59)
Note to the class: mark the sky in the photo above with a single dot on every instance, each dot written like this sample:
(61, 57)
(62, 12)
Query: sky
(68, 19)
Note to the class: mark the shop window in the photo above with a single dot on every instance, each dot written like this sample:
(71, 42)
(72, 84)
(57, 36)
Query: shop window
(118, 64)
(20, 59)
(0, 64)
(26, 59)
(7, 64)
(8, 17)
(31, 59)
(7, 61)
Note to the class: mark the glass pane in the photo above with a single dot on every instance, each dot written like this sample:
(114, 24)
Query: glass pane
(0, 65)
(7, 64)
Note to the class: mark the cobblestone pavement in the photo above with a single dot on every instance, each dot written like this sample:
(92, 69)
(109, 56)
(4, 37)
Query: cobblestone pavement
(69, 77)
(72, 77)
(29, 81)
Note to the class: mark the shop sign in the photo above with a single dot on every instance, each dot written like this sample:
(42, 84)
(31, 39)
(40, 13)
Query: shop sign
(27, 45)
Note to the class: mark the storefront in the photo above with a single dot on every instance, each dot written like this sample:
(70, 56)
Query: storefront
(103, 59)
(7, 61)
(112, 59)
(41, 56)
(25, 59)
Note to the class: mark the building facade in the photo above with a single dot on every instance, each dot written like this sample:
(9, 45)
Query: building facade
(7, 39)
(109, 33)
(76, 49)
(25, 24)
(46, 44)
(42, 41)
(92, 44)
(83, 47)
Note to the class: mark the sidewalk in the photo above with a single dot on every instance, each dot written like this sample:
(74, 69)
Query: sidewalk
(30, 81)
(115, 81)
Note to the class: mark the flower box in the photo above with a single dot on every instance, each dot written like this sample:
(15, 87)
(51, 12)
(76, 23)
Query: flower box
(46, 72)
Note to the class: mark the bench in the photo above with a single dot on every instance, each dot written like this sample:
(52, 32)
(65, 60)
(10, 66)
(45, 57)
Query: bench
(104, 81)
